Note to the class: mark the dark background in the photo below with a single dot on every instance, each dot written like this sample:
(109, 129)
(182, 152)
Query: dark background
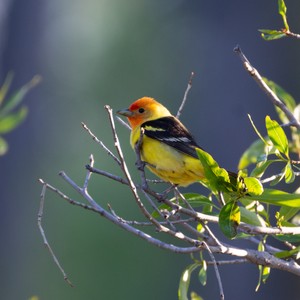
(91, 53)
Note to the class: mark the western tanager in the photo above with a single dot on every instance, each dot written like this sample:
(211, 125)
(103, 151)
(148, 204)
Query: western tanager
(168, 148)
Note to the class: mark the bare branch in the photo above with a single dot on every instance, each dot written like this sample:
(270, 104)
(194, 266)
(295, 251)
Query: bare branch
(291, 34)
(176, 216)
(46, 243)
(216, 271)
(189, 86)
(97, 208)
(100, 143)
(259, 80)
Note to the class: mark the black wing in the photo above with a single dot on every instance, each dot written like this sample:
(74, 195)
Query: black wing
(172, 132)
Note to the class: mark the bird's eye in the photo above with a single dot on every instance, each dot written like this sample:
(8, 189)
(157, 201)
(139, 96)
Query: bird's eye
(141, 110)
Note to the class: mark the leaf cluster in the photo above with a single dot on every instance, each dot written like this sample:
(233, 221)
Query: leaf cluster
(275, 34)
(247, 199)
(12, 113)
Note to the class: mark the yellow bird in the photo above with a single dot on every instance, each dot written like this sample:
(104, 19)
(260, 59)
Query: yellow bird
(167, 147)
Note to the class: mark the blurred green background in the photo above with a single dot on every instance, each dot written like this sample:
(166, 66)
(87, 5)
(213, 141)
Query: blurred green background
(96, 52)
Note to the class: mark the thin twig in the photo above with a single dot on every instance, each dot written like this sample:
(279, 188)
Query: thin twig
(189, 86)
(271, 178)
(212, 257)
(100, 143)
(221, 198)
(89, 173)
(259, 80)
(291, 34)
(137, 223)
(227, 262)
(123, 123)
(126, 226)
(247, 228)
(46, 243)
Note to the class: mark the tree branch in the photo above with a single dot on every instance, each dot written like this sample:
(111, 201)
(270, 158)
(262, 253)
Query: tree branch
(259, 80)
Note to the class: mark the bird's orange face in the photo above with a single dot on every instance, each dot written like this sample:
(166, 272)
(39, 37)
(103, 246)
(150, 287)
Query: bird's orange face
(142, 110)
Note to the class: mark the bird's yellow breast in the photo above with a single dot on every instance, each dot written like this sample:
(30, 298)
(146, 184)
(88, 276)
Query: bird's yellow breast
(168, 163)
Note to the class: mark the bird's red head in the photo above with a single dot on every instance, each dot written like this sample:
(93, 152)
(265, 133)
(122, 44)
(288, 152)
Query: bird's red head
(142, 110)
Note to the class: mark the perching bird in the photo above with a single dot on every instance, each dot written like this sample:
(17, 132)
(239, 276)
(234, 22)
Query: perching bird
(167, 147)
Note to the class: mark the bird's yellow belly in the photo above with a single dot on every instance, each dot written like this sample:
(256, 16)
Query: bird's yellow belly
(170, 164)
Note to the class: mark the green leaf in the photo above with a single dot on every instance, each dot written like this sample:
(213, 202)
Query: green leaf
(289, 173)
(184, 282)
(254, 187)
(277, 197)
(291, 238)
(229, 219)
(18, 96)
(264, 271)
(195, 296)
(5, 87)
(12, 120)
(252, 154)
(261, 167)
(3, 146)
(288, 212)
(277, 136)
(287, 253)
(195, 200)
(282, 11)
(251, 217)
(217, 178)
(270, 35)
(257, 152)
(202, 276)
(283, 95)
(281, 7)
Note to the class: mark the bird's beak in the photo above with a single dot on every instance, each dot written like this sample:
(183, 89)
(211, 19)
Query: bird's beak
(125, 112)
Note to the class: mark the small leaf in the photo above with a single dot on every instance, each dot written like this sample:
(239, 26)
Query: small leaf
(251, 155)
(281, 7)
(287, 253)
(195, 296)
(277, 197)
(11, 121)
(5, 87)
(184, 282)
(289, 173)
(251, 217)
(277, 136)
(216, 178)
(254, 187)
(3, 146)
(288, 212)
(270, 35)
(257, 152)
(283, 95)
(202, 276)
(263, 271)
(282, 11)
(229, 219)
(261, 167)
(18, 96)
(291, 238)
